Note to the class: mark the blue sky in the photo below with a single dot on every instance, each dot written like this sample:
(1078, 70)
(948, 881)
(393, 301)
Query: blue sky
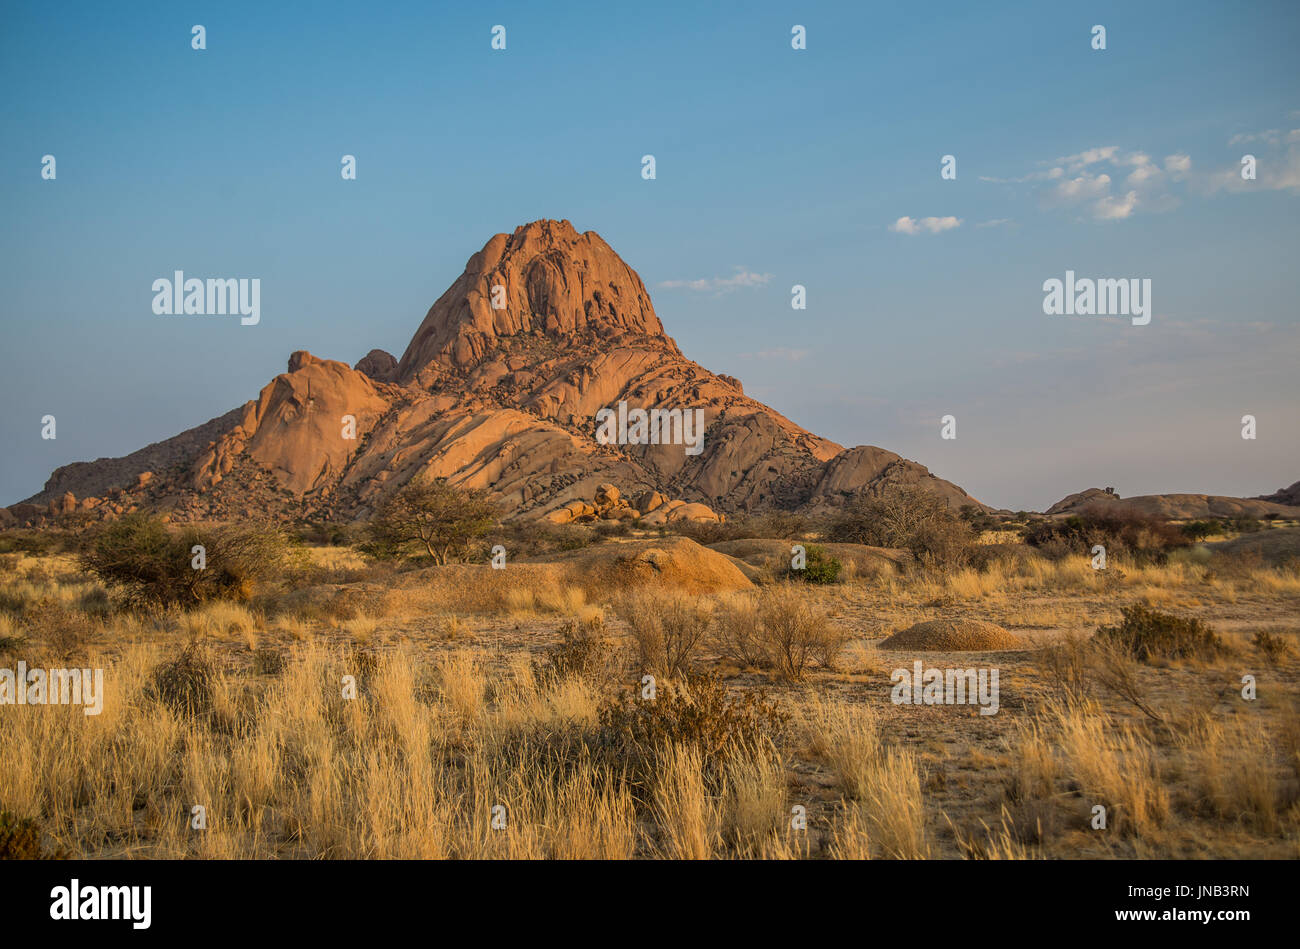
(781, 166)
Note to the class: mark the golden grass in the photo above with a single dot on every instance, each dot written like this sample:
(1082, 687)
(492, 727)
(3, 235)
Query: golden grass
(452, 750)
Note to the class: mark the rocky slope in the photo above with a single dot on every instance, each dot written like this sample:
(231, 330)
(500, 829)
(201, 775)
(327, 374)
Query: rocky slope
(499, 388)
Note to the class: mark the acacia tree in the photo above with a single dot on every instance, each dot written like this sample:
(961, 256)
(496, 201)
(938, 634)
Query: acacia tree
(441, 516)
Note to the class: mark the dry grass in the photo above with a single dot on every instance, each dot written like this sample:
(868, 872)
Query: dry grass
(453, 749)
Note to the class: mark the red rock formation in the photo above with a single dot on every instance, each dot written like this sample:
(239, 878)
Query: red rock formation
(503, 398)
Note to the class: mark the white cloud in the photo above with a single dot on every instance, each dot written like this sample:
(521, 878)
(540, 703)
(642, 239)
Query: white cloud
(1151, 186)
(996, 222)
(907, 225)
(743, 277)
(1082, 188)
(1091, 156)
(1112, 208)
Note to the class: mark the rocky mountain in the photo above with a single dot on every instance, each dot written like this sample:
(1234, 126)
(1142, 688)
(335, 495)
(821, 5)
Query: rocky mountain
(502, 387)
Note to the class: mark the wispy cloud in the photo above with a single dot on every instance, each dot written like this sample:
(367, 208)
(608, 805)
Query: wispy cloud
(1106, 182)
(1277, 165)
(1109, 183)
(996, 222)
(932, 225)
(743, 277)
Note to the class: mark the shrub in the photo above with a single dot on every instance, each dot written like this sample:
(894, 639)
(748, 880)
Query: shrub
(268, 661)
(441, 517)
(153, 564)
(738, 633)
(65, 630)
(586, 652)
(702, 532)
(906, 517)
(698, 713)
(1274, 648)
(784, 525)
(819, 567)
(794, 629)
(1144, 538)
(186, 683)
(1147, 634)
(1197, 531)
(668, 629)
(20, 839)
(1243, 525)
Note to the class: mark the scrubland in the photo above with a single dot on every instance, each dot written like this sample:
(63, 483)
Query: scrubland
(505, 713)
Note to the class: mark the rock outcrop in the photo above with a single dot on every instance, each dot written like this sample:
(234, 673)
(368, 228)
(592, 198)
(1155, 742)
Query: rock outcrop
(1173, 506)
(499, 389)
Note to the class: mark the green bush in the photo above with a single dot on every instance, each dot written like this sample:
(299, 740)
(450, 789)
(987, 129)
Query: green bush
(820, 567)
(1197, 531)
(152, 564)
(1148, 634)
(434, 514)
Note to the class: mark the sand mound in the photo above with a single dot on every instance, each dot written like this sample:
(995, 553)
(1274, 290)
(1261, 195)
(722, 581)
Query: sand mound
(952, 635)
(676, 562)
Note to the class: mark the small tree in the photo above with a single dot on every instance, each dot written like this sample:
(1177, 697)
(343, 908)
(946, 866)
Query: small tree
(908, 517)
(442, 517)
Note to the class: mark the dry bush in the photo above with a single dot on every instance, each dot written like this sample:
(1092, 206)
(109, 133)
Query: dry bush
(268, 661)
(586, 651)
(795, 629)
(151, 563)
(1124, 532)
(697, 712)
(668, 628)
(1147, 634)
(20, 839)
(187, 683)
(907, 517)
(737, 631)
(66, 631)
(1113, 667)
(1274, 648)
